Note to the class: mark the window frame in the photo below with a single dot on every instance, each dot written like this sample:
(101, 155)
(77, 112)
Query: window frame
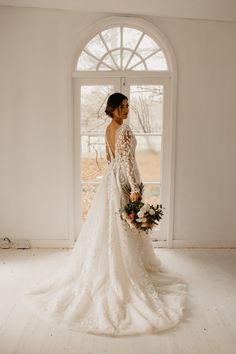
(99, 59)
(170, 76)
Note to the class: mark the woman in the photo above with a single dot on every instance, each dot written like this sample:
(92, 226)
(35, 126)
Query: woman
(117, 109)
(113, 284)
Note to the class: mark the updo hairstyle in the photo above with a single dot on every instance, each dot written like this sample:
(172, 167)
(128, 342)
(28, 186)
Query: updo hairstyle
(113, 102)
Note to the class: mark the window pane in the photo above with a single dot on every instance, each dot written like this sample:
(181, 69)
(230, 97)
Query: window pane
(93, 157)
(148, 157)
(146, 108)
(157, 62)
(86, 62)
(133, 61)
(96, 47)
(93, 123)
(147, 46)
(112, 37)
(93, 104)
(131, 36)
(152, 193)
(109, 41)
(88, 193)
(103, 67)
(139, 67)
(108, 60)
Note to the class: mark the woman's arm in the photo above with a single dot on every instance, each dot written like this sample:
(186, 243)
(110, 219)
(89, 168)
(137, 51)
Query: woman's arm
(128, 158)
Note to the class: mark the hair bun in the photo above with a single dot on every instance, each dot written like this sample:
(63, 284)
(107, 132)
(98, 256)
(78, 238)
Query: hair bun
(113, 102)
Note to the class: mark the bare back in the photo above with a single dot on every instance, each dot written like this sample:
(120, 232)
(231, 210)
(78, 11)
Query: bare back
(111, 138)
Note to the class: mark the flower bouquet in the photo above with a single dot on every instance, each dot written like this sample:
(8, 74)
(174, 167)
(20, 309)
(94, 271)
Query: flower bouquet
(140, 215)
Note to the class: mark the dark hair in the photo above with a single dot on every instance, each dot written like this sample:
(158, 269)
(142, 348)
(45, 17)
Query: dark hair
(113, 102)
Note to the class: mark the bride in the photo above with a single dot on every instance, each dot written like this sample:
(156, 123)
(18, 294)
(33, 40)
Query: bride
(113, 283)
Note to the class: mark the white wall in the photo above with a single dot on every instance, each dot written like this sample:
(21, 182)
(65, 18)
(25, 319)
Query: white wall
(37, 49)
(35, 64)
(205, 197)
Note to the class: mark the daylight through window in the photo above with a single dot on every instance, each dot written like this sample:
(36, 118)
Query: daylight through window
(122, 48)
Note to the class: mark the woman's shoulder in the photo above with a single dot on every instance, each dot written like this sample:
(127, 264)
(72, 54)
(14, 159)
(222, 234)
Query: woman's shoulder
(125, 126)
(125, 132)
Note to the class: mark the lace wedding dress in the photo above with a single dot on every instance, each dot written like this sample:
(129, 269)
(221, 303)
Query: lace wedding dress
(113, 283)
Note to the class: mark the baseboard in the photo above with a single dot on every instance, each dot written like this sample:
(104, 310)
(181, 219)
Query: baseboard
(159, 243)
(66, 243)
(51, 243)
(204, 244)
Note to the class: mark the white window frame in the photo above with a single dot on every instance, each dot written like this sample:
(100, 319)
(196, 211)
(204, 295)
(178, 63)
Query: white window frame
(164, 180)
(170, 79)
(119, 65)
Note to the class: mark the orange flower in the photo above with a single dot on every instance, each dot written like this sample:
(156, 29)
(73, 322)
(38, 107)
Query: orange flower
(146, 224)
(132, 216)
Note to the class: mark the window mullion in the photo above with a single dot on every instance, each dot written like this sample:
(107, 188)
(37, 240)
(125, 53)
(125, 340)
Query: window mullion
(120, 62)
(112, 58)
(134, 51)
(139, 62)
(91, 55)
(108, 51)
(121, 48)
(144, 59)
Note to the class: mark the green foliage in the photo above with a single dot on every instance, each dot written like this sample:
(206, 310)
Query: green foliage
(133, 207)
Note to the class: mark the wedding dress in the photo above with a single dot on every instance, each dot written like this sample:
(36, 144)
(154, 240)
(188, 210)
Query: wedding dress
(113, 283)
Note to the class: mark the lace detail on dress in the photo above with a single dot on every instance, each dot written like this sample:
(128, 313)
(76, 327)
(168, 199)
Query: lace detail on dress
(125, 150)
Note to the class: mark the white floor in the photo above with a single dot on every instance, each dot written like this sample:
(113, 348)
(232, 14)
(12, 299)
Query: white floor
(209, 325)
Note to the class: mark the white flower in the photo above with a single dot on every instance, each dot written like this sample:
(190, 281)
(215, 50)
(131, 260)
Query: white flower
(140, 214)
(139, 220)
(151, 212)
(145, 208)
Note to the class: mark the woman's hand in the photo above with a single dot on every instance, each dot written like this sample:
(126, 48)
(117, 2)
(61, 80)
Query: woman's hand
(135, 196)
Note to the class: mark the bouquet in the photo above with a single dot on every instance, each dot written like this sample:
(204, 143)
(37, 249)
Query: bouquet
(140, 215)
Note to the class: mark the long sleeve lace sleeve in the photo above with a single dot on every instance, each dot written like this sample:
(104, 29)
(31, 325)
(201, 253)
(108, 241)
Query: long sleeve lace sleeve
(127, 156)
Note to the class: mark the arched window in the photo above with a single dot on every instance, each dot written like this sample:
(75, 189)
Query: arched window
(130, 56)
(122, 48)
